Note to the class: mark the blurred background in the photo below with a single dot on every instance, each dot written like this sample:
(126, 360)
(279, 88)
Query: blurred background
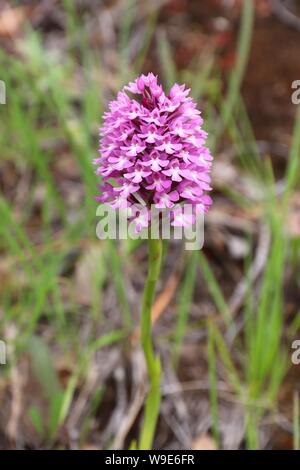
(225, 318)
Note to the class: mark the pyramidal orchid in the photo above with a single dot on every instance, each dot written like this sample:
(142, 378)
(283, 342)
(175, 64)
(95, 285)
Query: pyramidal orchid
(153, 149)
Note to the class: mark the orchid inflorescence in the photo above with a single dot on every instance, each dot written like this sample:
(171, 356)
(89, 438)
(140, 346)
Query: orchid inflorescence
(153, 148)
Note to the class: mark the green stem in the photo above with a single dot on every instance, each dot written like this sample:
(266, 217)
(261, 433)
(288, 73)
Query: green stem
(152, 404)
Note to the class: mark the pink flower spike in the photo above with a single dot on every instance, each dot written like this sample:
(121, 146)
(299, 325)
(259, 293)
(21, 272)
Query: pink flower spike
(153, 146)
